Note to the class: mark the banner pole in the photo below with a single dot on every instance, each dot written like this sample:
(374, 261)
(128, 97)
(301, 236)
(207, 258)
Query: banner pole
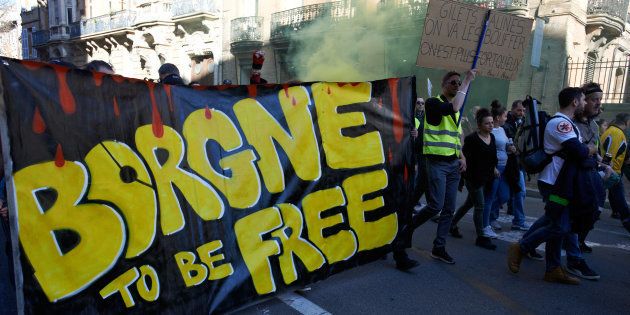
(10, 189)
(482, 36)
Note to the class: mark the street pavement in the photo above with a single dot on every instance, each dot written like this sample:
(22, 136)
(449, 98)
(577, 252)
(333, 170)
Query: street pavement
(478, 283)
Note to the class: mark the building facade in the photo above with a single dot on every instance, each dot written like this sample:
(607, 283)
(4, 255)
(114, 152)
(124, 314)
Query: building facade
(9, 29)
(573, 41)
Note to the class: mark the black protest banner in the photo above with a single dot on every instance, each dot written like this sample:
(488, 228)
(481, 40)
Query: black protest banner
(451, 33)
(132, 196)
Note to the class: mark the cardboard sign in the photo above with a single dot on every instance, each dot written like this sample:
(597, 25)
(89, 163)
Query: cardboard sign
(451, 33)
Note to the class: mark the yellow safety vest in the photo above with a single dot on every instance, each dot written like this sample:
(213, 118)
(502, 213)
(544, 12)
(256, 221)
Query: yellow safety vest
(443, 139)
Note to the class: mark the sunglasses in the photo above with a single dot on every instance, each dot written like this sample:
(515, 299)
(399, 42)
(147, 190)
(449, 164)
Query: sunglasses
(456, 82)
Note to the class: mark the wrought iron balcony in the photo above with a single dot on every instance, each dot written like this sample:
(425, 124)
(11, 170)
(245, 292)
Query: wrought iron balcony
(285, 22)
(108, 22)
(610, 14)
(41, 37)
(247, 29)
(152, 12)
(59, 32)
(413, 8)
(75, 29)
(189, 7)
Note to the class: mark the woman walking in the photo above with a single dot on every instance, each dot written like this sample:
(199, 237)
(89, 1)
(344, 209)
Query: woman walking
(481, 159)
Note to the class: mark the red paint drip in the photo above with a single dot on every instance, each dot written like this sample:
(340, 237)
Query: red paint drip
(59, 159)
(98, 78)
(341, 84)
(355, 83)
(223, 87)
(285, 87)
(65, 96)
(208, 113)
(167, 89)
(32, 65)
(405, 174)
(39, 126)
(328, 90)
(380, 103)
(200, 87)
(390, 156)
(158, 127)
(116, 109)
(293, 101)
(118, 78)
(252, 90)
(397, 119)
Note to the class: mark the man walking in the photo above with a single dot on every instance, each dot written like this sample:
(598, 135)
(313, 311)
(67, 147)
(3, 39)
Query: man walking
(444, 161)
(614, 143)
(557, 184)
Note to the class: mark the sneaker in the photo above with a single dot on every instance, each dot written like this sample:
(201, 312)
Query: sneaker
(406, 264)
(580, 268)
(488, 232)
(440, 253)
(558, 275)
(514, 258)
(495, 225)
(455, 232)
(485, 242)
(585, 248)
(534, 255)
(521, 227)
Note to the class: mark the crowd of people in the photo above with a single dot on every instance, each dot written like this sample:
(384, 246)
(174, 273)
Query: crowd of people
(585, 157)
(587, 160)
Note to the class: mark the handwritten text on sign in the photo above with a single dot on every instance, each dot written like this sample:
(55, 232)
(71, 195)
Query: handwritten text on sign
(451, 33)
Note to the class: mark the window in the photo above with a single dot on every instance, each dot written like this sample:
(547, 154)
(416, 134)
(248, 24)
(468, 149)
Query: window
(69, 15)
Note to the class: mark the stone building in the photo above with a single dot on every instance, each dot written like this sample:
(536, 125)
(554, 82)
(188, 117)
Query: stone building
(573, 41)
(9, 29)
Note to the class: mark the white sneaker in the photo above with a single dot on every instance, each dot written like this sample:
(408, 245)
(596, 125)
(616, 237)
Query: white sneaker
(495, 225)
(523, 227)
(488, 232)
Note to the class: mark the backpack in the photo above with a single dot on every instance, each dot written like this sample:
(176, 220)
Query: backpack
(530, 136)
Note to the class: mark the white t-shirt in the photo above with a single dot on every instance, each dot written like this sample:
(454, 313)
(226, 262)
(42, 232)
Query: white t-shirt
(558, 130)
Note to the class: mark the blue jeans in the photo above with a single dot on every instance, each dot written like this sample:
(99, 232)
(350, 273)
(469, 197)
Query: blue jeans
(617, 199)
(518, 201)
(495, 193)
(570, 240)
(443, 179)
(551, 228)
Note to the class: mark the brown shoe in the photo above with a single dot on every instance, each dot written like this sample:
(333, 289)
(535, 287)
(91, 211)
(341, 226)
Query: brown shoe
(514, 258)
(558, 275)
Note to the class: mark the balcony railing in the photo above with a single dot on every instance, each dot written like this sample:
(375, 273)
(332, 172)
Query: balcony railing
(75, 29)
(193, 6)
(414, 8)
(108, 22)
(614, 8)
(247, 29)
(285, 22)
(41, 37)
(59, 32)
(156, 11)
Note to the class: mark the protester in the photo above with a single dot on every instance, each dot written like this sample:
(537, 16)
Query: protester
(603, 125)
(421, 172)
(258, 58)
(500, 189)
(589, 130)
(515, 119)
(99, 66)
(615, 145)
(562, 185)
(481, 170)
(169, 74)
(442, 148)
